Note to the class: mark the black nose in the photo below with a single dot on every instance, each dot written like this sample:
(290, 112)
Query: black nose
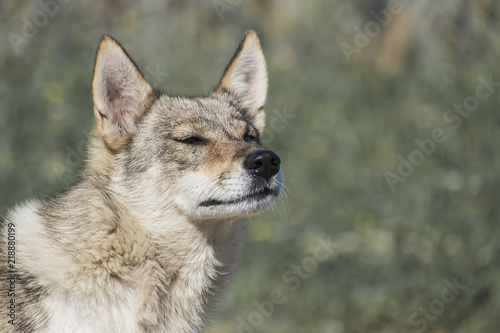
(262, 163)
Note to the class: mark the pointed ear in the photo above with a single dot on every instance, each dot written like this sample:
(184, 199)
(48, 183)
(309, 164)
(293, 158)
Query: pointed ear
(246, 78)
(121, 95)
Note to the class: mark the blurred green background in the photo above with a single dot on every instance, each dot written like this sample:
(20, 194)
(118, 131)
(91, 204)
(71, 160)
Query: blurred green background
(356, 245)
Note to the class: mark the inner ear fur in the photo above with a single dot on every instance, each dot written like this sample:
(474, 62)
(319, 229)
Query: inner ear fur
(121, 95)
(245, 78)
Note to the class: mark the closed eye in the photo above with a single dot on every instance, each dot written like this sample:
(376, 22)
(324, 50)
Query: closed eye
(192, 140)
(251, 138)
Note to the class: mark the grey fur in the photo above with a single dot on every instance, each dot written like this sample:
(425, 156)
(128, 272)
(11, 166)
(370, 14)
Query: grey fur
(130, 248)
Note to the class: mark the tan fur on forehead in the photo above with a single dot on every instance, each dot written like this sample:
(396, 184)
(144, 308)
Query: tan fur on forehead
(212, 112)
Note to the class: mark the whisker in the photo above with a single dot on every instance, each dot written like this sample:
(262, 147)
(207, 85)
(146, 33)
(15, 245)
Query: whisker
(210, 186)
(286, 196)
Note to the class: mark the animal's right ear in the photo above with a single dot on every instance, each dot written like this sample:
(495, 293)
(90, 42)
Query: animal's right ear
(121, 95)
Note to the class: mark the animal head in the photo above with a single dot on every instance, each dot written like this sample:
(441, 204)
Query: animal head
(201, 155)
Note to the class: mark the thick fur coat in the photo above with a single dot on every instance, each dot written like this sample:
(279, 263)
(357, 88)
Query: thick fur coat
(150, 233)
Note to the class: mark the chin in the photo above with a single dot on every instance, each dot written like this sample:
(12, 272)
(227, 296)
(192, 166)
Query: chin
(241, 196)
(253, 202)
(239, 207)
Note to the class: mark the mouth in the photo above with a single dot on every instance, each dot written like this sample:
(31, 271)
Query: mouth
(258, 195)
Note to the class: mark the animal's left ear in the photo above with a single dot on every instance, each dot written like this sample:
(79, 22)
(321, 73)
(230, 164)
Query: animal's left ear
(246, 79)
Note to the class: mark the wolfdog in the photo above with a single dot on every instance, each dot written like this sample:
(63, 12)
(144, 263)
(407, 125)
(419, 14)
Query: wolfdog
(150, 233)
